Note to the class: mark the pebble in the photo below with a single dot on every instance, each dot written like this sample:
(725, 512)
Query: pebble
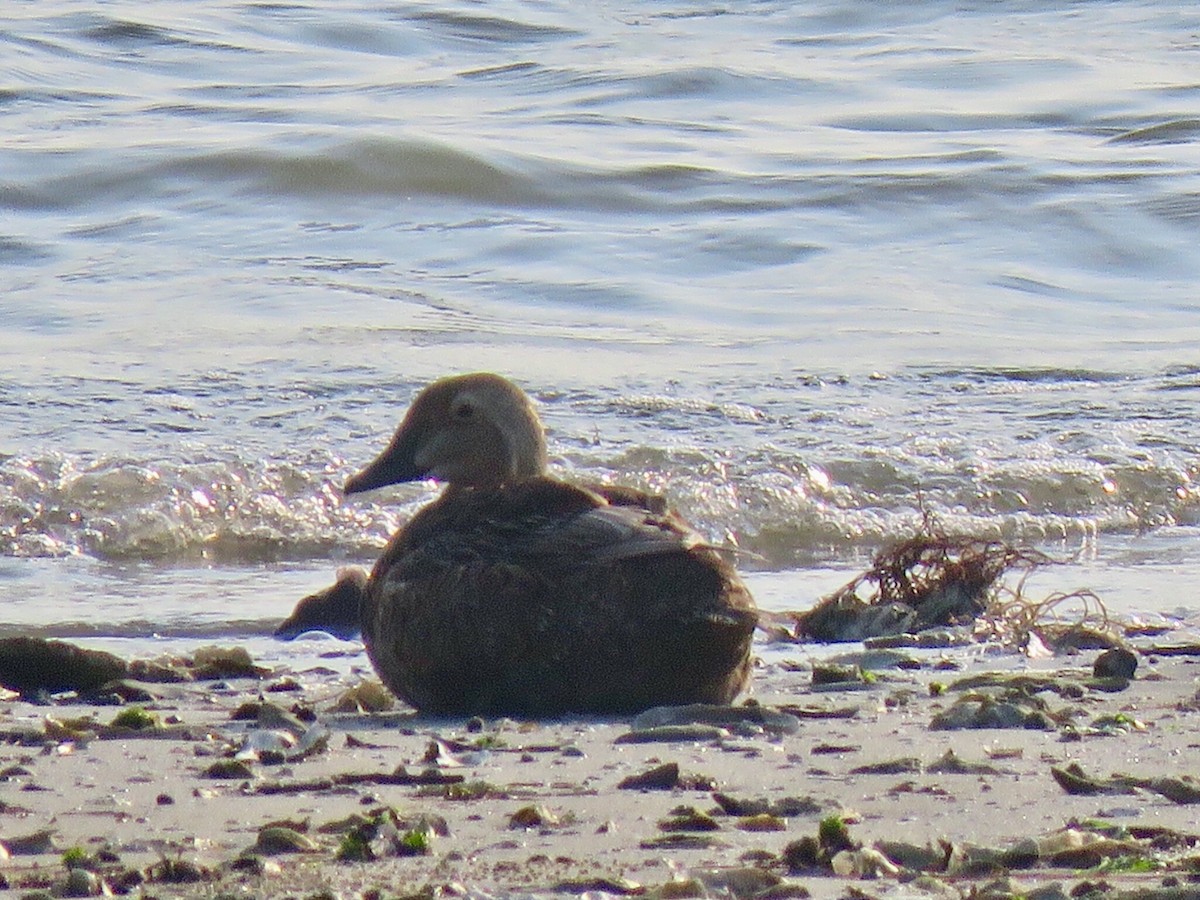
(1115, 663)
(688, 818)
(986, 712)
(275, 839)
(229, 768)
(762, 822)
(660, 778)
(532, 817)
(34, 844)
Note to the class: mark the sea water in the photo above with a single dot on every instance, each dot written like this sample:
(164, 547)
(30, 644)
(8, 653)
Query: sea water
(816, 271)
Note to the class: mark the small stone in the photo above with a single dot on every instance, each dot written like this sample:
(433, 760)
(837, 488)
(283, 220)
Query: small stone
(229, 768)
(915, 857)
(210, 663)
(248, 863)
(275, 839)
(660, 778)
(1118, 662)
(688, 818)
(532, 817)
(164, 799)
(125, 881)
(34, 844)
(178, 871)
(369, 696)
(762, 822)
(682, 889)
(981, 711)
(835, 674)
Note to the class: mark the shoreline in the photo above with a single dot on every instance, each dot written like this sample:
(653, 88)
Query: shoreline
(861, 751)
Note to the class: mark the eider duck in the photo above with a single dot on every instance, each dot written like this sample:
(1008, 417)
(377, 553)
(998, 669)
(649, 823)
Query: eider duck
(516, 593)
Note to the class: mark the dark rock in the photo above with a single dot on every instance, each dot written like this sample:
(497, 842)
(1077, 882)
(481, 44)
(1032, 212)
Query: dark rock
(835, 674)
(1115, 663)
(991, 712)
(688, 818)
(803, 855)
(178, 871)
(532, 817)
(32, 665)
(229, 768)
(660, 778)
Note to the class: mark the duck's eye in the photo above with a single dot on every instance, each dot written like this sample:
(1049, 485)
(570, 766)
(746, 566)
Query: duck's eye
(464, 412)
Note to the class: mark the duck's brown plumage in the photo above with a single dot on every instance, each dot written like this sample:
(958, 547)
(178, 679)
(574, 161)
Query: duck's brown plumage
(517, 593)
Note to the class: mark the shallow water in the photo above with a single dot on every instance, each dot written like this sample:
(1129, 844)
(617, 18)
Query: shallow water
(814, 271)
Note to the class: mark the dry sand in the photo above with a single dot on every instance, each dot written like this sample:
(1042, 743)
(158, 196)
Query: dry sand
(139, 799)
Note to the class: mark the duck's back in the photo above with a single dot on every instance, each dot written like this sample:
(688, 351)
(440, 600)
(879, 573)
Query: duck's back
(543, 598)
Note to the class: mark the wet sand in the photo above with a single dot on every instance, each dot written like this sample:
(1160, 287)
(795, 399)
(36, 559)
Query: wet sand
(536, 808)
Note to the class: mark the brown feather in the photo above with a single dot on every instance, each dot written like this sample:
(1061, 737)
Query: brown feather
(525, 595)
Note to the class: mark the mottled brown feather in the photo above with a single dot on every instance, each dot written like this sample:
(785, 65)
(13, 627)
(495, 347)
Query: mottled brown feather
(515, 593)
(542, 598)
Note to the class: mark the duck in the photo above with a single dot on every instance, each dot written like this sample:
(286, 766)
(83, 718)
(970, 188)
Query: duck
(518, 593)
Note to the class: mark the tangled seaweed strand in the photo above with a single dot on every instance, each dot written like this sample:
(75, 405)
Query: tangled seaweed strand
(1012, 619)
(927, 581)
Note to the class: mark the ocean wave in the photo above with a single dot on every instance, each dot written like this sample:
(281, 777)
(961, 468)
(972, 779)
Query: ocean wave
(219, 629)
(777, 504)
(231, 511)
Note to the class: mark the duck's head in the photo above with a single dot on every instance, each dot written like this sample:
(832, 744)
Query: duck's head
(471, 430)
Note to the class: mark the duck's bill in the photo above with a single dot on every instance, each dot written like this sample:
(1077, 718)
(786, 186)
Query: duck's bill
(393, 466)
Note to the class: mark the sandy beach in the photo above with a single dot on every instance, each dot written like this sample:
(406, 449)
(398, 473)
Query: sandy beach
(201, 802)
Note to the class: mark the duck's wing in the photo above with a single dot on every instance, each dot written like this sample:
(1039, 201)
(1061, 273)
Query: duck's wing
(606, 534)
(542, 522)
